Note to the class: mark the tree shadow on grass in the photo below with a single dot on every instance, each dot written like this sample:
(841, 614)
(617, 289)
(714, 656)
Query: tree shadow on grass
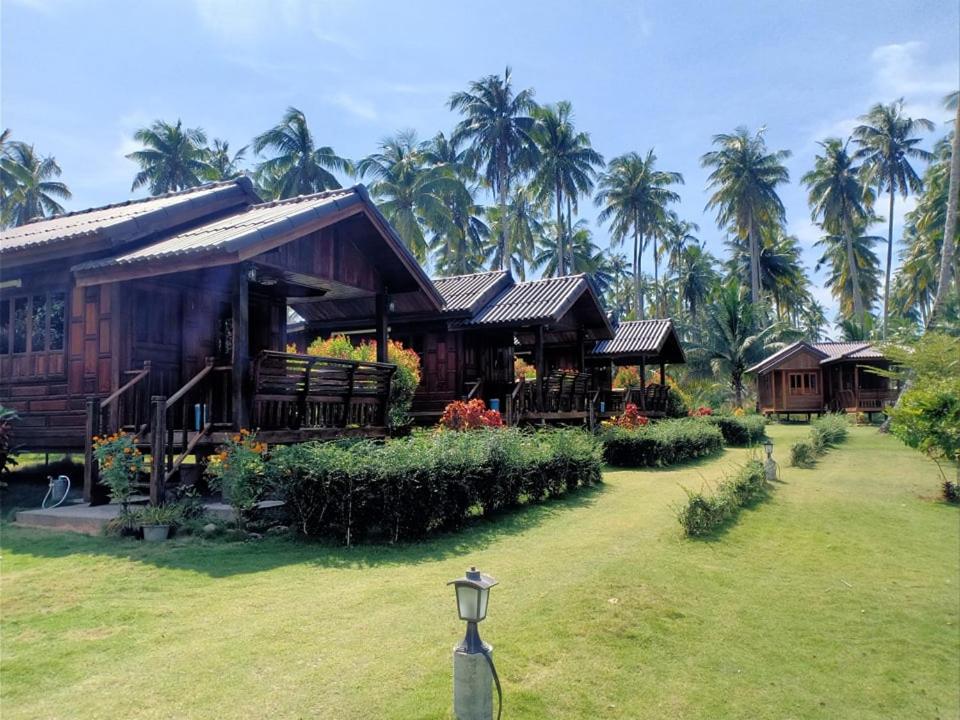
(220, 558)
(692, 463)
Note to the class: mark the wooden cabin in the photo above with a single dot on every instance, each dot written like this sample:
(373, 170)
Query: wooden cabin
(813, 378)
(167, 318)
(644, 344)
(486, 320)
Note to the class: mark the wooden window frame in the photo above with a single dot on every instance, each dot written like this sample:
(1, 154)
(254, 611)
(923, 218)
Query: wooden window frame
(29, 348)
(807, 383)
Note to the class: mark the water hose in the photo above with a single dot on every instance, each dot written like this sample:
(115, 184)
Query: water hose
(59, 481)
(496, 681)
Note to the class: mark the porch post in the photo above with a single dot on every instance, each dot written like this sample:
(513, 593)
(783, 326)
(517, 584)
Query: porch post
(581, 354)
(158, 449)
(89, 462)
(856, 387)
(538, 361)
(643, 385)
(663, 374)
(382, 329)
(240, 308)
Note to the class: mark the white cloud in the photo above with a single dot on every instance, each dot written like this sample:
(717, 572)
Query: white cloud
(901, 70)
(243, 22)
(363, 109)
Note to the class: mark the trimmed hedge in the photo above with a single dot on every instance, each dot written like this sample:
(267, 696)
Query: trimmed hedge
(826, 432)
(703, 512)
(406, 489)
(741, 431)
(661, 443)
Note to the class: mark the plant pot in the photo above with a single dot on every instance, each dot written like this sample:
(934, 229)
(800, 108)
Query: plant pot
(155, 533)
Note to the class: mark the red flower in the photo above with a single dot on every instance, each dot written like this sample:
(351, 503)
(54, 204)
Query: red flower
(460, 415)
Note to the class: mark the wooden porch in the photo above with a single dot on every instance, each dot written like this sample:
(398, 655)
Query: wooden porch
(289, 398)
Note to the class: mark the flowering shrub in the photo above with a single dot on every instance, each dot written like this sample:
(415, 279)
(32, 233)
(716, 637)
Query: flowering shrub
(659, 444)
(630, 420)
(469, 415)
(627, 377)
(120, 463)
(701, 411)
(405, 379)
(739, 412)
(238, 471)
(523, 369)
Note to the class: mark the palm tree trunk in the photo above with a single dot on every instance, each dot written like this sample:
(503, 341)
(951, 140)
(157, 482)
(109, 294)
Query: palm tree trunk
(639, 279)
(656, 278)
(738, 388)
(858, 309)
(561, 261)
(503, 185)
(754, 262)
(950, 226)
(886, 287)
(570, 234)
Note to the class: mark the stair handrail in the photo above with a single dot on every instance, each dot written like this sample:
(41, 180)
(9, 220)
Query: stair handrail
(115, 395)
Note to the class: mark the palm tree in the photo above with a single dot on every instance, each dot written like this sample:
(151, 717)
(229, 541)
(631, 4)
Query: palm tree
(497, 122)
(583, 255)
(735, 336)
(887, 142)
(223, 165)
(173, 157)
(950, 221)
(459, 245)
(410, 192)
(814, 320)
(839, 202)
(837, 257)
(523, 228)
(696, 277)
(566, 168)
(780, 267)
(299, 167)
(634, 197)
(29, 188)
(620, 288)
(744, 181)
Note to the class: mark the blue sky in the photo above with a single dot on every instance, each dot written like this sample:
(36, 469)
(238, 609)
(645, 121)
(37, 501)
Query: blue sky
(78, 76)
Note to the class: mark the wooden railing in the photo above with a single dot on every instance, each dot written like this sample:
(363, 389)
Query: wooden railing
(474, 389)
(293, 392)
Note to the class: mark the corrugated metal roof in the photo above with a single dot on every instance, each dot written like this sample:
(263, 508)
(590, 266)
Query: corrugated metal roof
(837, 350)
(828, 352)
(467, 292)
(532, 300)
(636, 337)
(88, 222)
(234, 231)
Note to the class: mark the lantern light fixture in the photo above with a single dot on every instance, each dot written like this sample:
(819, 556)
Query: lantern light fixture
(473, 595)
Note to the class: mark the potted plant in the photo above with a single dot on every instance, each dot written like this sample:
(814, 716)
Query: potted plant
(156, 521)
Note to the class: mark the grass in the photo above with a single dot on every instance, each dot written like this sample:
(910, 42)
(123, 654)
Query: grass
(836, 598)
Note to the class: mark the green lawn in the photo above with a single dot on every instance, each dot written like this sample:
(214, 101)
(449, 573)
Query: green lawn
(838, 597)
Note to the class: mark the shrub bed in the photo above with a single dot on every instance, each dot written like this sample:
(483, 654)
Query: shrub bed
(662, 443)
(826, 432)
(741, 431)
(704, 512)
(406, 489)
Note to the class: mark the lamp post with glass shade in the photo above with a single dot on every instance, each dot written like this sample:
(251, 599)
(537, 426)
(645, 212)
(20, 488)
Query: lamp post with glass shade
(473, 670)
(770, 466)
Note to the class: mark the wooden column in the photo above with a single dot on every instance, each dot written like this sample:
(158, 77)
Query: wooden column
(383, 327)
(581, 355)
(538, 362)
(158, 433)
(240, 307)
(89, 462)
(643, 385)
(856, 386)
(663, 374)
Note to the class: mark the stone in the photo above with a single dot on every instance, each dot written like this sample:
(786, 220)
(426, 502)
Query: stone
(210, 528)
(278, 530)
(472, 686)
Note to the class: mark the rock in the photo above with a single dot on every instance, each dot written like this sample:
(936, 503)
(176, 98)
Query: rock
(210, 528)
(278, 530)
(254, 536)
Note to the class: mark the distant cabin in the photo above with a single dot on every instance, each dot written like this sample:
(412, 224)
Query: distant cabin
(813, 378)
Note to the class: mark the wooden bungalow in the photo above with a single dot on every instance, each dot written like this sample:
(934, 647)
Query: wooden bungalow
(167, 317)
(468, 349)
(813, 378)
(640, 343)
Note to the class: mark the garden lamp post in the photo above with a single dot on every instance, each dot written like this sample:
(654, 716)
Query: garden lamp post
(473, 670)
(770, 467)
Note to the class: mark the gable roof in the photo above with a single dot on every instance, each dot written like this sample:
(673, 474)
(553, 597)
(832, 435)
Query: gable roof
(536, 301)
(642, 338)
(825, 352)
(255, 229)
(122, 223)
(468, 293)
